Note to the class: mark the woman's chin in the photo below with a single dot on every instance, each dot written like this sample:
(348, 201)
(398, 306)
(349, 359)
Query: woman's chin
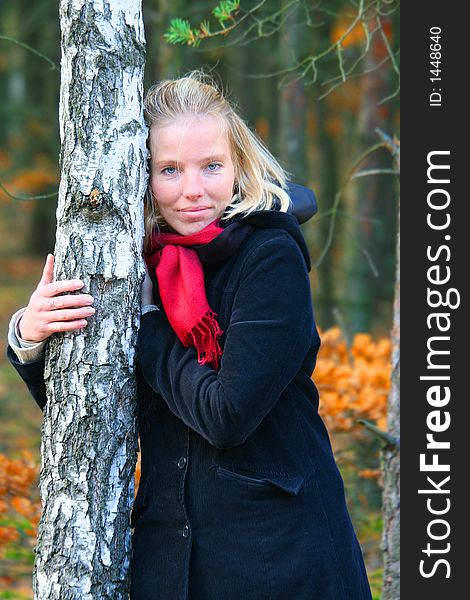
(192, 223)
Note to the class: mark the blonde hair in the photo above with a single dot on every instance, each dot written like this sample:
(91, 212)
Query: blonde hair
(260, 181)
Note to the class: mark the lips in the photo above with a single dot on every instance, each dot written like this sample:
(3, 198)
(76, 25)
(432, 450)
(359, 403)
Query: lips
(192, 209)
(195, 213)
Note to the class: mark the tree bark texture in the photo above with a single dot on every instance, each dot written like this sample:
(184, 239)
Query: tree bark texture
(292, 101)
(391, 452)
(89, 437)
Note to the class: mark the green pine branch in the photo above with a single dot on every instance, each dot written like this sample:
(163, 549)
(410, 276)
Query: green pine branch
(180, 30)
(223, 11)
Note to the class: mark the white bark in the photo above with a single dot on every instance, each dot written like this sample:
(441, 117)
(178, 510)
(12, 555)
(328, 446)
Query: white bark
(89, 438)
(391, 452)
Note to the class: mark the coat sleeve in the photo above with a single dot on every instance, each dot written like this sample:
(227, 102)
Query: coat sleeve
(32, 373)
(270, 331)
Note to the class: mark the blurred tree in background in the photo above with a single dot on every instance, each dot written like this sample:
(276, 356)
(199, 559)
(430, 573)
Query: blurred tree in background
(319, 117)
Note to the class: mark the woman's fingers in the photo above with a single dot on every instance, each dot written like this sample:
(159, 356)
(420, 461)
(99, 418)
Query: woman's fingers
(60, 287)
(54, 308)
(33, 328)
(48, 271)
(63, 326)
(48, 287)
(70, 301)
(68, 314)
(37, 325)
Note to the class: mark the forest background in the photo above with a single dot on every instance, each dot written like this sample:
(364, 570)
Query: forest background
(316, 81)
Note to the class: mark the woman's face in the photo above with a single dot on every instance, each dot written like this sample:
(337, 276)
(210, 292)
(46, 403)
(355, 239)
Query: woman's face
(192, 173)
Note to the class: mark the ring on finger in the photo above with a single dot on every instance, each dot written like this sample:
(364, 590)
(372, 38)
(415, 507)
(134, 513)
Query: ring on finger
(52, 303)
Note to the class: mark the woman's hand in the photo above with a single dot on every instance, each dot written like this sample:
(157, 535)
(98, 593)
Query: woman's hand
(51, 312)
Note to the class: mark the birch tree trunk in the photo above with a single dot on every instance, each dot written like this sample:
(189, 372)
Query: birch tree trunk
(391, 452)
(89, 438)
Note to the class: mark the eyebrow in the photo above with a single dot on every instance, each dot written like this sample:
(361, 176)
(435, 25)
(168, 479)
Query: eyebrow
(210, 158)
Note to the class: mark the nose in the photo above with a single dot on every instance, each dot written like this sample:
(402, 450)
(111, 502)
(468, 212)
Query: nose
(192, 185)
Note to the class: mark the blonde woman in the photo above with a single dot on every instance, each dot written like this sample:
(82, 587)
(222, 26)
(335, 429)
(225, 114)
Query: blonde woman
(239, 497)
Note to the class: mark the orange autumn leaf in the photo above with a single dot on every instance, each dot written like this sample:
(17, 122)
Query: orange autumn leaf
(18, 498)
(355, 36)
(8, 534)
(28, 182)
(353, 383)
(23, 506)
(33, 180)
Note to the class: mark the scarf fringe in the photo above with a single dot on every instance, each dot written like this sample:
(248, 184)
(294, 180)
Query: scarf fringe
(203, 336)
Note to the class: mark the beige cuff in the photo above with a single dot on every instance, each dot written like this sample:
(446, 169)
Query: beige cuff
(24, 350)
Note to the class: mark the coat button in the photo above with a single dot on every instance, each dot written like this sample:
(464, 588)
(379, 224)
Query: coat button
(186, 531)
(182, 462)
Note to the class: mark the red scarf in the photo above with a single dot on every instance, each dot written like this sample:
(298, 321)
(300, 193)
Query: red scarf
(181, 285)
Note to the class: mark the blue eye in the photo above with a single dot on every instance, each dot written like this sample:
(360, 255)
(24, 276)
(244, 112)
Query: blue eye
(169, 170)
(213, 166)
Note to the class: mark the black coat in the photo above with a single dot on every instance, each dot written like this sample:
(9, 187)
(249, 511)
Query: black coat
(240, 497)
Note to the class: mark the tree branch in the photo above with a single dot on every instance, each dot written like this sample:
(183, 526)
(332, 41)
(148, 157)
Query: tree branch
(390, 440)
(23, 45)
(40, 197)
